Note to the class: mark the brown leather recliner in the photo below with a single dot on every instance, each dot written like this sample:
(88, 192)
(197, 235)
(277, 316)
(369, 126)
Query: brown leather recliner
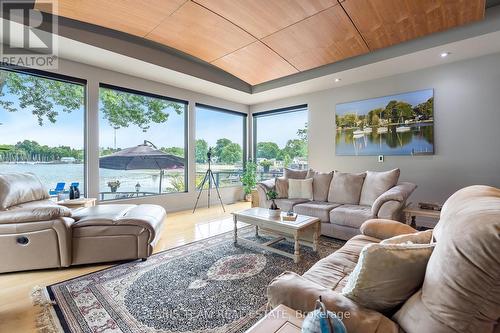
(37, 233)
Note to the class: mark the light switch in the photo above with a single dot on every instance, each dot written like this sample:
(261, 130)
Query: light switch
(380, 158)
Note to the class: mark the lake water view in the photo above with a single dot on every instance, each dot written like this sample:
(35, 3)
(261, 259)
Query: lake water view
(418, 139)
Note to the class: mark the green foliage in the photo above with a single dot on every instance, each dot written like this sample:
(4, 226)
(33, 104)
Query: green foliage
(120, 109)
(32, 151)
(177, 183)
(249, 177)
(176, 151)
(287, 160)
(271, 195)
(231, 153)
(295, 148)
(266, 163)
(302, 133)
(268, 150)
(219, 146)
(201, 151)
(108, 151)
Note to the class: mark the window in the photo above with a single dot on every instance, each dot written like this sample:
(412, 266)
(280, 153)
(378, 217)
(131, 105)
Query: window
(42, 127)
(280, 140)
(142, 139)
(225, 132)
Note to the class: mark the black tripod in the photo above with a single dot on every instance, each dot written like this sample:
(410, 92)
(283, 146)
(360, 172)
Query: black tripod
(209, 175)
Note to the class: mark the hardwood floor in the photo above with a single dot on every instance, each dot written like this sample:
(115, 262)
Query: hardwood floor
(16, 311)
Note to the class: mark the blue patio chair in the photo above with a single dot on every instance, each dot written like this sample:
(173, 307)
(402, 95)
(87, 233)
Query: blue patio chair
(75, 184)
(59, 188)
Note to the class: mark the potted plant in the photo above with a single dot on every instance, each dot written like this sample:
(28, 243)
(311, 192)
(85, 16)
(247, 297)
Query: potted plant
(266, 165)
(274, 211)
(249, 179)
(113, 185)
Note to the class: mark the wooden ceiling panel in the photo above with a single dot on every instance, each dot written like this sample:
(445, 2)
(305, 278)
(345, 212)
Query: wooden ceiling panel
(199, 32)
(135, 17)
(383, 23)
(264, 17)
(255, 63)
(324, 38)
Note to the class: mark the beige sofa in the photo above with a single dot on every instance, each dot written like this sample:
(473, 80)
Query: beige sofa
(343, 201)
(37, 233)
(461, 288)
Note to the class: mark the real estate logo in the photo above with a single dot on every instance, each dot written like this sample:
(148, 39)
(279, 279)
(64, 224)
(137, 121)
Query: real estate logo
(28, 34)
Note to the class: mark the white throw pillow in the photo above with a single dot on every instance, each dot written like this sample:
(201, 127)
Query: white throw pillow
(421, 237)
(386, 275)
(300, 188)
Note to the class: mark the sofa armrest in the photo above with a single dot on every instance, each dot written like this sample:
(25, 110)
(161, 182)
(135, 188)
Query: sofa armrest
(33, 214)
(398, 193)
(262, 188)
(383, 229)
(301, 294)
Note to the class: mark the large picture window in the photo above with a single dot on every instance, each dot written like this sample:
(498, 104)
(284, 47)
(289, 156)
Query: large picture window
(42, 128)
(225, 132)
(280, 140)
(142, 139)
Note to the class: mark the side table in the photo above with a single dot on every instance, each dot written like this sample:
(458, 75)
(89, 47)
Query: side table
(78, 203)
(281, 319)
(411, 213)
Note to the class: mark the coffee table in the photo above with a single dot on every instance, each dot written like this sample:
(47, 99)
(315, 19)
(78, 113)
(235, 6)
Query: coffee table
(305, 230)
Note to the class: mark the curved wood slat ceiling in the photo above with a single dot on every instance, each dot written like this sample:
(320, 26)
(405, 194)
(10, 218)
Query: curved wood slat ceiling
(262, 40)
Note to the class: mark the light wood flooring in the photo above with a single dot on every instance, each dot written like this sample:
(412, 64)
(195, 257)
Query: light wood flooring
(16, 311)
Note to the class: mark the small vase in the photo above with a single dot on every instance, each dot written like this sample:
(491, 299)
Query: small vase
(274, 213)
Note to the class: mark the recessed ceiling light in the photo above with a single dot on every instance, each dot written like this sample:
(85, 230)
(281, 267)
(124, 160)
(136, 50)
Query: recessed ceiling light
(338, 79)
(445, 54)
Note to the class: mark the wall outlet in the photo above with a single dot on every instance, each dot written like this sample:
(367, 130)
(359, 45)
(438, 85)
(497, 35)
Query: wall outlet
(380, 158)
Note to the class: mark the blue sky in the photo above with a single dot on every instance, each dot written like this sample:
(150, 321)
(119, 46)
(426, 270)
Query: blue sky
(280, 128)
(210, 126)
(365, 106)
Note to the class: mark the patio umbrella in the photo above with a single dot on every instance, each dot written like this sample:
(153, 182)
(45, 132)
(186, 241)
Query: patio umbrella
(144, 156)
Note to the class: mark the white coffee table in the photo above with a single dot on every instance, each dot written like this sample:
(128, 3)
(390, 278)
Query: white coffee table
(305, 230)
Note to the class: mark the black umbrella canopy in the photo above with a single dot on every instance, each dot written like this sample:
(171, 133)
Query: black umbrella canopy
(144, 156)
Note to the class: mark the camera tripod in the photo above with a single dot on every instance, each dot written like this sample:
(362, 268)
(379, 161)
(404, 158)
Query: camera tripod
(209, 175)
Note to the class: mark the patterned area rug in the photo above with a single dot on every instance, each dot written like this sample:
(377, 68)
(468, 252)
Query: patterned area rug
(206, 286)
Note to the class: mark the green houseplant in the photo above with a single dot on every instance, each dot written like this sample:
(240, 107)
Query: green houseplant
(266, 165)
(274, 211)
(249, 179)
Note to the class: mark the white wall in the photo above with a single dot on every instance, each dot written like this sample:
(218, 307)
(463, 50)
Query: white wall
(172, 201)
(466, 132)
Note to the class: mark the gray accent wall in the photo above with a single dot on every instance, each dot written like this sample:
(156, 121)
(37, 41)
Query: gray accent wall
(466, 132)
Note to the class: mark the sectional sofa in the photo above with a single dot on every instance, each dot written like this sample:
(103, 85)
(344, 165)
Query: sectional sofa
(342, 201)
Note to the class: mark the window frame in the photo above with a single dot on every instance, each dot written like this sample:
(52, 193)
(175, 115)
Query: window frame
(261, 114)
(186, 132)
(66, 79)
(244, 132)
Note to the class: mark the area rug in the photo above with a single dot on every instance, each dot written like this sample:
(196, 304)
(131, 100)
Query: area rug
(206, 286)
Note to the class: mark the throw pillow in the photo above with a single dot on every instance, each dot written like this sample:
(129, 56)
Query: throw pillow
(321, 184)
(345, 188)
(421, 237)
(300, 189)
(386, 275)
(294, 174)
(377, 183)
(281, 185)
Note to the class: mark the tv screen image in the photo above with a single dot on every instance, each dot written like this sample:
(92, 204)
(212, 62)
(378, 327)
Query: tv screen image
(401, 124)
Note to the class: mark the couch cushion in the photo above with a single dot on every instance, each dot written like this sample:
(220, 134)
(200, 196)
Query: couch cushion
(345, 188)
(332, 272)
(321, 184)
(351, 215)
(288, 204)
(377, 183)
(17, 188)
(281, 187)
(294, 174)
(386, 275)
(319, 209)
(300, 189)
(461, 290)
